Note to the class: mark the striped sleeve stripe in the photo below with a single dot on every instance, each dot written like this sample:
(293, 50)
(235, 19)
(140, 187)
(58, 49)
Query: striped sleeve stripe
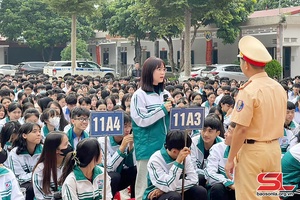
(36, 183)
(69, 196)
(213, 177)
(166, 183)
(141, 114)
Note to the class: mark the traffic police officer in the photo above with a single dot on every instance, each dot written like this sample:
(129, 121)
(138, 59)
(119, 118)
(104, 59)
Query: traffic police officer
(259, 114)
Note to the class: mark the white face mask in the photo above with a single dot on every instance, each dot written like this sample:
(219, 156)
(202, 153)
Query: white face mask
(55, 122)
(290, 86)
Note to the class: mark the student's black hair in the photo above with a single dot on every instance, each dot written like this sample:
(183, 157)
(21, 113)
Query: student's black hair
(7, 130)
(5, 111)
(27, 106)
(13, 106)
(114, 90)
(118, 107)
(290, 106)
(60, 96)
(78, 111)
(20, 95)
(170, 88)
(226, 99)
(28, 84)
(21, 142)
(30, 112)
(86, 150)
(49, 159)
(176, 92)
(86, 100)
(43, 102)
(99, 102)
(71, 99)
(176, 140)
(112, 100)
(127, 118)
(212, 122)
(150, 65)
(104, 94)
(124, 98)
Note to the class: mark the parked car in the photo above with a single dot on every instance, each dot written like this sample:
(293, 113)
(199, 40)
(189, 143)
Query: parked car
(8, 69)
(232, 71)
(85, 68)
(170, 73)
(196, 71)
(30, 67)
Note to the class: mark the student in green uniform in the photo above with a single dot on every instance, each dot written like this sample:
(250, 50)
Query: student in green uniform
(49, 167)
(79, 120)
(82, 176)
(25, 154)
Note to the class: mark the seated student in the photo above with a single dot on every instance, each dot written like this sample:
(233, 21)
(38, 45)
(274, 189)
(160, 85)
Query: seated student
(82, 178)
(289, 126)
(25, 154)
(51, 119)
(209, 103)
(221, 186)
(8, 135)
(165, 171)
(85, 102)
(49, 167)
(9, 187)
(202, 143)
(71, 101)
(121, 159)
(79, 120)
(291, 169)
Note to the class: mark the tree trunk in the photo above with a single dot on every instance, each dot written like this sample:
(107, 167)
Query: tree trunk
(182, 53)
(43, 54)
(194, 34)
(169, 42)
(51, 53)
(73, 44)
(138, 51)
(187, 42)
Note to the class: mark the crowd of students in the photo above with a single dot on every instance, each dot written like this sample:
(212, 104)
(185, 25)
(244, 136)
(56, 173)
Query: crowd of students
(47, 153)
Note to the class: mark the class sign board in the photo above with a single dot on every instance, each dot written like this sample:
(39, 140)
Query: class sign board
(106, 123)
(187, 118)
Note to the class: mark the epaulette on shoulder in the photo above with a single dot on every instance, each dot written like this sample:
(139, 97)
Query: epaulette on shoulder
(245, 84)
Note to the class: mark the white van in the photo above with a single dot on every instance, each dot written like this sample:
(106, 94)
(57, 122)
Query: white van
(85, 68)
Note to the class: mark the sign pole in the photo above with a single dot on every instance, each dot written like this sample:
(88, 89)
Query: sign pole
(105, 168)
(186, 119)
(186, 132)
(104, 124)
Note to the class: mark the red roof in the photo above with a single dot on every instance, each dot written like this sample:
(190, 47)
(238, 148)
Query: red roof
(275, 12)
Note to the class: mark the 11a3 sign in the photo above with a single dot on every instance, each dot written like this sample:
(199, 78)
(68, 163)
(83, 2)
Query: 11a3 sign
(187, 118)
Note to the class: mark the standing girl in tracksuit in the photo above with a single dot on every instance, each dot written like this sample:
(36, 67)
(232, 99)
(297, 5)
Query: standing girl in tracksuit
(150, 118)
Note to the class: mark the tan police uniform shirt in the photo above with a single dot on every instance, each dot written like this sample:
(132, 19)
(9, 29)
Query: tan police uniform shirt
(261, 106)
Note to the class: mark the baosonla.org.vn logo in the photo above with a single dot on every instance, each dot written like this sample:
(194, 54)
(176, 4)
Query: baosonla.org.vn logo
(271, 184)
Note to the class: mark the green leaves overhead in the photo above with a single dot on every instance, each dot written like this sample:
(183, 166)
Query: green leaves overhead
(37, 25)
(69, 7)
(272, 4)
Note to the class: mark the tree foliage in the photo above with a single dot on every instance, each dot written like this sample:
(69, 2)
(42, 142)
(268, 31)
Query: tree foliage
(272, 4)
(70, 7)
(120, 18)
(37, 25)
(274, 69)
(81, 51)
